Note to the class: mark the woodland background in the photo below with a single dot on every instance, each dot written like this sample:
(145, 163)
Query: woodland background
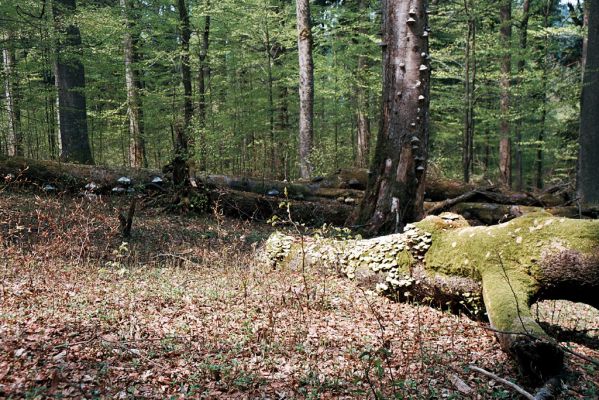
(243, 59)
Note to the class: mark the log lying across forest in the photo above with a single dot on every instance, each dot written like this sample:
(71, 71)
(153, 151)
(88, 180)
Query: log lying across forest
(502, 269)
(328, 199)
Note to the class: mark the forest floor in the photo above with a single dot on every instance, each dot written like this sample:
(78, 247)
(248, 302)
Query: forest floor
(186, 310)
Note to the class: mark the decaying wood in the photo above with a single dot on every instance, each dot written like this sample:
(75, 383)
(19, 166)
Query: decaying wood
(492, 213)
(503, 381)
(499, 269)
(262, 208)
(70, 177)
(126, 220)
(327, 199)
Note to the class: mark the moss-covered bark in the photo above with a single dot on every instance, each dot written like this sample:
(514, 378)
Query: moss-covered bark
(502, 269)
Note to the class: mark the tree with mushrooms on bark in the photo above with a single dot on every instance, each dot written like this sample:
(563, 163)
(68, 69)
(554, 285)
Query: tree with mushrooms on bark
(502, 269)
(395, 192)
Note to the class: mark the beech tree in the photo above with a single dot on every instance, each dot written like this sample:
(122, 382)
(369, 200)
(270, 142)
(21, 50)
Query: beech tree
(70, 84)
(14, 138)
(395, 192)
(306, 86)
(137, 153)
(588, 160)
(505, 152)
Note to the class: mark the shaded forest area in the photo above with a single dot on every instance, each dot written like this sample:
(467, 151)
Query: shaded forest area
(459, 137)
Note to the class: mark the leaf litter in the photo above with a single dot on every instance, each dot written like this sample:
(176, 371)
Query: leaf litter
(186, 311)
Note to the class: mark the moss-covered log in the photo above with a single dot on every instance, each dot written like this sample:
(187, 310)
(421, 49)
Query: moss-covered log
(499, 269)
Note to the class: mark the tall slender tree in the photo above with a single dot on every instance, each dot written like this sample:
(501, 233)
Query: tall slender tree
(182, 129)
(70, 84)
(137, 152)
(395, 191)
(505, 152)
(14, 138)
(469, 90)
(306, 86)
(203, 78)
(518, 161)
(362, 117)
(588, 158)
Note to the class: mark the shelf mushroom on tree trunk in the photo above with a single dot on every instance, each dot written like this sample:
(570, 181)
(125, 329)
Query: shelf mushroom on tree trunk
(395, 191)
(502, 269)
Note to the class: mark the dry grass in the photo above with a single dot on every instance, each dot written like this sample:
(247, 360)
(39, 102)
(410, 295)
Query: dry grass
(186, 311)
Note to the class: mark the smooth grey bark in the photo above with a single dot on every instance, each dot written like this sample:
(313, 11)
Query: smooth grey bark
(306, 87)
(362, 118)
(518, 162)
(70, 84)
(137, 153)
(14, 138)
(395, 191)
(505, 35)
(588, 157)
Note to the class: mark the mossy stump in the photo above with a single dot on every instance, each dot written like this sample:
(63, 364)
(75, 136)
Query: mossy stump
(495, 272)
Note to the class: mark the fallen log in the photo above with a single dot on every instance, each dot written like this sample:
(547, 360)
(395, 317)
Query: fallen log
(258, 207)
(499, 269)
(492, 213)
(70, 177)
(328, 200)
(344, 186)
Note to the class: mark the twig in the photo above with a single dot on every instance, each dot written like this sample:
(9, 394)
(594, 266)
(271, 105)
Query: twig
(503, 381)
(564, 348)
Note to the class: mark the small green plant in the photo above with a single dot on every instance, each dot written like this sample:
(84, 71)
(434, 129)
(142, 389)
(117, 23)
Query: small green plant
(120, 256)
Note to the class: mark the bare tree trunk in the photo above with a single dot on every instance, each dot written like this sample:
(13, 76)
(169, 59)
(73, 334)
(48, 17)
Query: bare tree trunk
(588, 156)
(469, 88)
(70, 83)
(585, 39)
(395, 192)
(541, 133)
(14, 138)
(182, 134)
(521, 65)
(505, 167)
(203, 76)
(137, 153)
(306, 87)
(363, 105)
(283, 127)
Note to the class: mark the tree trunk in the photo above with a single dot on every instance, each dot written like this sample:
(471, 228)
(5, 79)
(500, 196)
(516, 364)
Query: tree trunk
(70, 83)
(505, 167)
(203, 76)
(588, 157)
(503, 269)
(395, 193)
(182, 134)
(306, 87)
(363, 105)
(469, 90)
(137, 153)
(521, 65)
(14, 138)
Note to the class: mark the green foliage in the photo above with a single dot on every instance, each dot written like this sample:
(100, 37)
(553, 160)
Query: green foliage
(252, 100)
